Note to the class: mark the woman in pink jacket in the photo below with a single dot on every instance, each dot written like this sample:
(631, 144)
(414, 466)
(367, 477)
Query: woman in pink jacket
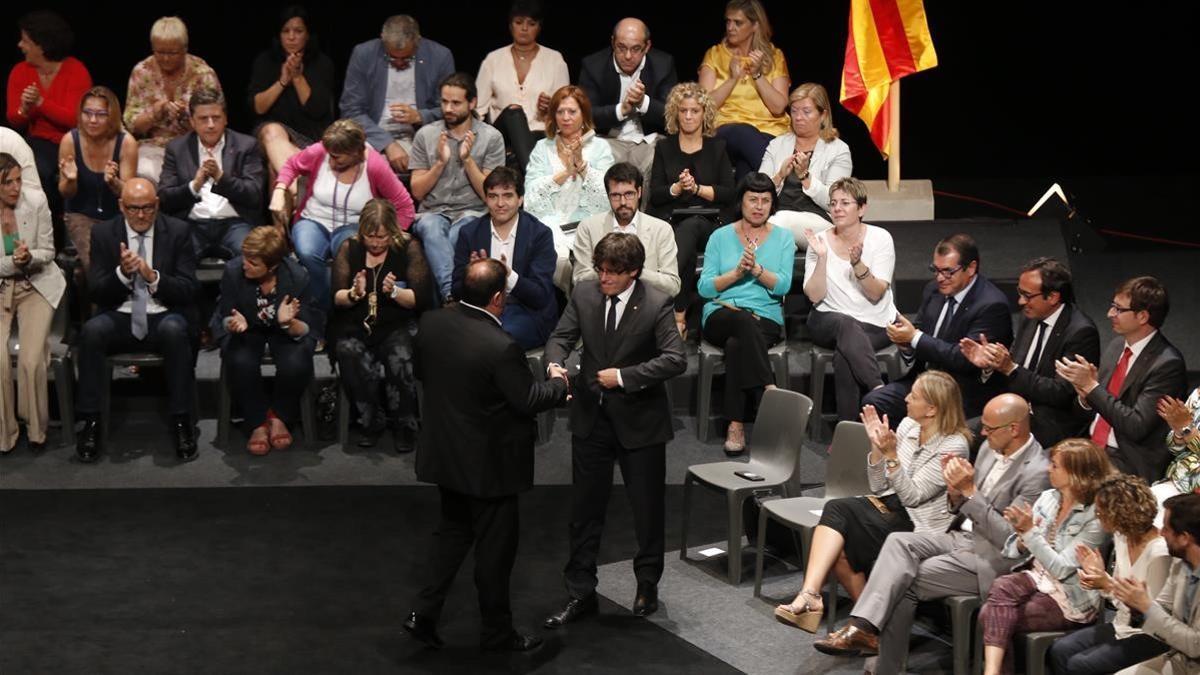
(342, 174)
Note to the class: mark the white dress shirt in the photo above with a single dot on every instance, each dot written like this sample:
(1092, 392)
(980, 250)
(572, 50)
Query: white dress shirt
(153, 306)
(630, 128)
(401, 88)
(958, 298)
(211, 205)
(506, 247)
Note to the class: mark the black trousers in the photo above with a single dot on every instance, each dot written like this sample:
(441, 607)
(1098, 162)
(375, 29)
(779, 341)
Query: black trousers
(243, 355)
(745, 340)
(379, 378)
(855, 369)
(490, 525)
(691, 235)
(644, 472)
(45, 157)
(514, 127)
(109, 332)
(1096, 650)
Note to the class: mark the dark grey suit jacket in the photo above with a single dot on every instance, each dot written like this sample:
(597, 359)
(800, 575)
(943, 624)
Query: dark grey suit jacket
(242, 177)
(646, 348)
(1158, 371)
(599, 80)
(1025, 479)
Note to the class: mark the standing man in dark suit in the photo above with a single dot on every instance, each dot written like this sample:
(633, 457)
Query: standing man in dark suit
(1138, 368)
(628, 84)
(959, 302)
(212, 178)
(143, 279)
(477, 446)
(1052, 326)
(620, 413)
(525, 245)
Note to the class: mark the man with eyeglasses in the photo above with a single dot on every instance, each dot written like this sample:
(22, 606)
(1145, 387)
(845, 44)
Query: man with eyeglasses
(960, 302)
(620, 414)
(628, 84)
(1052, 326)
(393, 86)
(624, 184)
(965, 559)
(1138, 368)
(142, 277)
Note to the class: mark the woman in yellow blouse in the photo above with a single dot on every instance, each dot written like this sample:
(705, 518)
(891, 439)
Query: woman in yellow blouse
(747, 77)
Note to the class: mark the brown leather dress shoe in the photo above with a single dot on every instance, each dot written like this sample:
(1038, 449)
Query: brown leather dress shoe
(849, 641)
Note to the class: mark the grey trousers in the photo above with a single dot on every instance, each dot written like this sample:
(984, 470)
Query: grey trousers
(910, 568)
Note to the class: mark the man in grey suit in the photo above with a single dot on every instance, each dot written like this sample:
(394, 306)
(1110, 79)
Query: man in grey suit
(393, 86)
(964, 560)
(619, 414)
(1138, 369)
(213, 178)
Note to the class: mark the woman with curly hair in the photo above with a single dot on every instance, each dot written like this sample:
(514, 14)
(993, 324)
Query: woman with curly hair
(691, 173)
(1126, 507)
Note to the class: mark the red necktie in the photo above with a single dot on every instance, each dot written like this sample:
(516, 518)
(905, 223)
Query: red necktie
(1100, 433)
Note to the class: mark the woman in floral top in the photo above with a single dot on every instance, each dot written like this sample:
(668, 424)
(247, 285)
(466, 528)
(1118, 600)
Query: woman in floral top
(156, 108)
(1183, 440)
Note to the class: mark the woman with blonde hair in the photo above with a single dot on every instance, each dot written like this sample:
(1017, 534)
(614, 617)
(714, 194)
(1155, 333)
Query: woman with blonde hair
(380, 282)
(94, 161)
(904, 469)
(747, 77)
(806, 161)
(1046, 593)
(691, 182)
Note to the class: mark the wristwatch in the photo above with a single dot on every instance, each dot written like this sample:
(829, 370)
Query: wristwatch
(891, 464)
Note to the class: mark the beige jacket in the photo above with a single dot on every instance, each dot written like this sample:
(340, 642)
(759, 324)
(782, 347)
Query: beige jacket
(35, 229)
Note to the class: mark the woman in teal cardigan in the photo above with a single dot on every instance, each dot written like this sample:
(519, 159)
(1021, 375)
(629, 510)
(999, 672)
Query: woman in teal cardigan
(747, 272)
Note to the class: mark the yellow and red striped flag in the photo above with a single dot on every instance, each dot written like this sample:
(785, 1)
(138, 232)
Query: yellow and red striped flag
(888, 39)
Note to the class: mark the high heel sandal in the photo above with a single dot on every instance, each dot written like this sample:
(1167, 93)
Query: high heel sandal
(278, 441)
(806, 619)
(261, 446)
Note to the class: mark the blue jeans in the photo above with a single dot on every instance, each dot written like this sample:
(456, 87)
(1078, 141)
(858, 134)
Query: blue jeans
(315, 245)
(438, 235)
(220, 238)
(746, 146)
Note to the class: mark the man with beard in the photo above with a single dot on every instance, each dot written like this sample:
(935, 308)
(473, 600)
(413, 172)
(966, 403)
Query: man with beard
(450, 159)
(624, 184)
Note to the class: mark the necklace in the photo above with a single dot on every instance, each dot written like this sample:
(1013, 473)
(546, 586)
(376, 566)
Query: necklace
(373, 296)
(751, 243)
(523, 55)
(346, 199)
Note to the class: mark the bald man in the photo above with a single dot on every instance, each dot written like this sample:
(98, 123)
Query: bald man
(628, 83)
(964, 560)
(142, 278)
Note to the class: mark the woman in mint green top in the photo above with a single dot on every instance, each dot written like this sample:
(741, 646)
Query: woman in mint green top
(747, 272)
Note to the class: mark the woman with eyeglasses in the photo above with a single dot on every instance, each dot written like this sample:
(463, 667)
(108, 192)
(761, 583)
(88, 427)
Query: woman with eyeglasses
(380, 283)
(747, 273)
(343, 173)
(848, 278)
(806, 161)
(94, 161)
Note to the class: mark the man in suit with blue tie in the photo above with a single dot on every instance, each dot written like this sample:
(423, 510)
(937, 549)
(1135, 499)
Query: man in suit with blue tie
(960, 302)
(526, 247)
(619, 414)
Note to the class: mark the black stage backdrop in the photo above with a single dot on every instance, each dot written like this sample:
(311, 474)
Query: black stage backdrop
(1030, 93)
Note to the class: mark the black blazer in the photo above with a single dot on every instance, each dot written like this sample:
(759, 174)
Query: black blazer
(709, 166)
(983, 310)
(174, 258)
(599, 80)
(291, 280)
(242, 176)
(1158, 371)
(647, 349)
(477, 427)
(1055, 414)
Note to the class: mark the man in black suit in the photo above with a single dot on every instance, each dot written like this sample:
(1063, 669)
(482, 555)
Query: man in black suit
(212, 177)
(143, 279)
(1138, 368)
(1051, 327)
(959, 302)
(620, 413)
(476, 444)
(628, 84)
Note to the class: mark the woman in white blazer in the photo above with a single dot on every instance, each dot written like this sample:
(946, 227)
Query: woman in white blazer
(31, 286)
(805, 161)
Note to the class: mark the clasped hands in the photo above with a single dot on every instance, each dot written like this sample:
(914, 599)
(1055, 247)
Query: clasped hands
(402, 113)
(464, 147)
(746, 66)
(207, 169)
(987, 355)
(131, 264)
(633, 97)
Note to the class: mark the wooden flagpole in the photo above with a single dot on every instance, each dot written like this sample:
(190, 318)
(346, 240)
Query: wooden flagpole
(894, 137)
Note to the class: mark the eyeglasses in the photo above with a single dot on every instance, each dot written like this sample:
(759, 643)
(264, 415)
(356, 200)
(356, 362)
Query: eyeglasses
(95, 114)
(945, 273)
(845, 204)
(992, 430)
(603, 272)
(629, 51)
(1114, 307)
(619, 197)
(1028, 296)
(140, 208)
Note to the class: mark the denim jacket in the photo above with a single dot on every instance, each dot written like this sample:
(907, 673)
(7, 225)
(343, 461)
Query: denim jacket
(1080, 527)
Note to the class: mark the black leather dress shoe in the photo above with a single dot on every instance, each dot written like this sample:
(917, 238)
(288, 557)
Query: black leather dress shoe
(422, 628)
(87, 445)
(37, 448)
(575, 608)
(516, 643)
(185, 440)
(646, 601)
(403, 440)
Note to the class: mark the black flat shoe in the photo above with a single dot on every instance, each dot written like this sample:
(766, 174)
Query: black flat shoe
(516, 643)
(37, 448)
(403, 440)
(575, 608)
(87, 445)
(423, 630)
(646, 601)
(185, 440)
